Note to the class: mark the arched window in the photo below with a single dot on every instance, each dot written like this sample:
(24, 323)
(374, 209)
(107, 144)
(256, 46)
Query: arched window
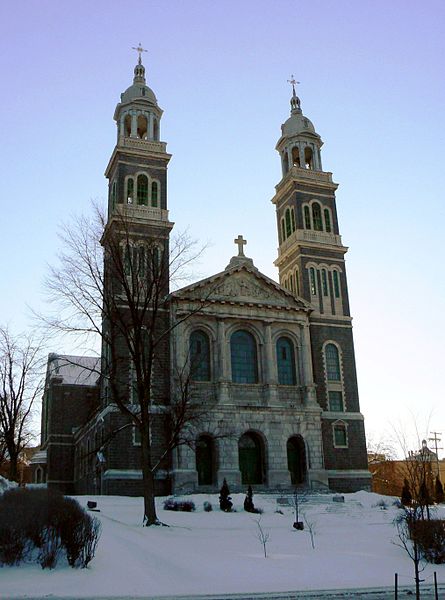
(113, 195)
(324, 281)
(316, 217)
(313, 281)
(251, 458)
(243, 357)
(288, 223)
(297, 282)
(332, 363)
(285, 361)
(142, 190)
(205, 460)
(340, 435)
(199, 356)
(292, 219)
(154, 194)
(296, 157)
(307, 218)
(130, 190)
(335, 277)
(308, 158)
(285, 163)
(296, 459)
(127, 260)
(155, 129)
(283, 230)
(142, 127)
(327, 220)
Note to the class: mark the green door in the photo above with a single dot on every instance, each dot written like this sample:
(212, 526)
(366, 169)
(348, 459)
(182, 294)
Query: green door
(250, 459)
(204, 460)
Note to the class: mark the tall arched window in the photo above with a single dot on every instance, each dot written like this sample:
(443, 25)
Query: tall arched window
(288, 223)
(296, 156)
(308, 158)
(205, 460)
(297, 282)
(332, 363)
(142, 190)
(335, 277)
(307, 217)
(292, 219)
(154, 194)
(285, 361)
(327, 220)
(127, 125)
(324, 281)
(142, 127)
(313, 281)
(113, 195)
(130, 190)
(155, 129)
(283, 230)
(316, 217)
(243, 357)
(199, 356)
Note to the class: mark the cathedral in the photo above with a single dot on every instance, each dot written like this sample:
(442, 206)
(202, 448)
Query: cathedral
(276, 365)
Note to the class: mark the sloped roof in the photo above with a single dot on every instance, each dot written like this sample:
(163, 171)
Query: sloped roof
(255, 288)
(74, 370)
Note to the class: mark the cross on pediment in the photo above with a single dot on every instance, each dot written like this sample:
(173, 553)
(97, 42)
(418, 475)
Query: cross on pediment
(240, 241)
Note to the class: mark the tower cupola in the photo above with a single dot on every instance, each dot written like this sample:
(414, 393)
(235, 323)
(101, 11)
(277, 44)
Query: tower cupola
(137, 114)
(299, 144)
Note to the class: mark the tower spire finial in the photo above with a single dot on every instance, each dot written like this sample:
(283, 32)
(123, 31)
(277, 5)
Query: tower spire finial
(295, 100)
(293, 83)
(139, 49)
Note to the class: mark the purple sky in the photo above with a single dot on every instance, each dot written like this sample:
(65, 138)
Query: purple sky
(372, 82)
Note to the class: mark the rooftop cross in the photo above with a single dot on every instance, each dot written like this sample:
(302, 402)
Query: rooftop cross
(140, 50)
(240, 241)
(293, 83)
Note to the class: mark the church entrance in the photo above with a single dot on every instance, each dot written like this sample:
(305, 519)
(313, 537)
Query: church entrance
(251, 458)
(204, 460)
(296, 459)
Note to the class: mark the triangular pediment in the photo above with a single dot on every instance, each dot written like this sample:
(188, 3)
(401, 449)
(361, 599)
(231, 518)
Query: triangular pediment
(241, 285)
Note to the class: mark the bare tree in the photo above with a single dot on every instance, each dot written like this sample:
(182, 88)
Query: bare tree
(112, 283)
(262, 536)
(20, 385)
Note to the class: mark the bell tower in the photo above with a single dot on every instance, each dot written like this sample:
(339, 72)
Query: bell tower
(137, 170)
(311, 265)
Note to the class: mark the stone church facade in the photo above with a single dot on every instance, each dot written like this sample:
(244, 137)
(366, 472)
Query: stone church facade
(275, 361)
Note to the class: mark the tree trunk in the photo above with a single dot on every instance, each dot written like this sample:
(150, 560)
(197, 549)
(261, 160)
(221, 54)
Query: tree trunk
(13, 465)
(416, 571)
(150, 516)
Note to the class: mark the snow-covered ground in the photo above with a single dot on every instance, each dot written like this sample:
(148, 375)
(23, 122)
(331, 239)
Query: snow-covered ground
(215, 552)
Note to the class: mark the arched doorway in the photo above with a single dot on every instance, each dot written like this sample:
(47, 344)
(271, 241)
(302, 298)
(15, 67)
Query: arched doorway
(205, 460)
(251, 458)
(296, 459)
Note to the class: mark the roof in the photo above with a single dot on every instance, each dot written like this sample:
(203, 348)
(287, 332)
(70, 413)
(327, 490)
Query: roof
(73, 370)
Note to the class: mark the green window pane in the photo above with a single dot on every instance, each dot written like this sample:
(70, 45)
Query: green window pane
(324, 280)
(288, 223)
(307, 217)
(130, 190)
(199, 356)
(316, 217)
(327, 220)
(336, 284)
(292, 218)
(285, 362)
(335, 401)
(332, 363)
(340, 438)
(313, 281)
(243, 357)
(142, 190)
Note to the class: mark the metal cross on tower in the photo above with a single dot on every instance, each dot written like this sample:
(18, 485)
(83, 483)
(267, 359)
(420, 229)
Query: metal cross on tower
(293, 83)
(139, 49)
(240, 241)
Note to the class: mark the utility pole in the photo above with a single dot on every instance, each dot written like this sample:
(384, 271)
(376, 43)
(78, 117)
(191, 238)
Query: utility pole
(437, 437)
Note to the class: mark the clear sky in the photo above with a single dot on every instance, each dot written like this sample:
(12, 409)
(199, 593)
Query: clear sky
(372, 83)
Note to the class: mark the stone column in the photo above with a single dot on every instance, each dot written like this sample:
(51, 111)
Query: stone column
(270, 366)
(150, 126)
(308, 374)
(229, 464)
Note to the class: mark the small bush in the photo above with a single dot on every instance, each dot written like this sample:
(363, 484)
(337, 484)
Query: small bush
(381, 504)
(45, 520)
(179, 505)
(225, 501)
(430, 536)
(208, 506)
